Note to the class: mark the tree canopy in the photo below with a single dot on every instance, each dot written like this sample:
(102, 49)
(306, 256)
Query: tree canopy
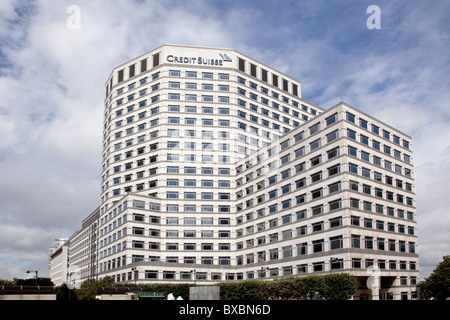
(437, 285)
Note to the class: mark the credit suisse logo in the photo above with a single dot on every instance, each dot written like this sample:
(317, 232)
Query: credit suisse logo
(199, 60)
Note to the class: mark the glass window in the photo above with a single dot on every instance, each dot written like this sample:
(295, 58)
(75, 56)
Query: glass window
(315, 144)
(332, 119)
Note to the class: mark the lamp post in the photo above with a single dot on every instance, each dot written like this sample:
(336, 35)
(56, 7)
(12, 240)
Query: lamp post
(135, 274)
(263, 272)
(331, 263)
(35, 271)
(70, 285)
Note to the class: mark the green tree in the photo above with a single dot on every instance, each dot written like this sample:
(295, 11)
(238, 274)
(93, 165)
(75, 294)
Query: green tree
(64, 293)
(312, 284)
(32, 282)
(438, 283)
(245, 290)
(339, 286)
(7, 282)
(331, 287)
(89, 288)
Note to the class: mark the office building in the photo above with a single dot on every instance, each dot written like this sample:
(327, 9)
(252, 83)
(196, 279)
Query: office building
(83, 251)
(58, 256)
(215, 169)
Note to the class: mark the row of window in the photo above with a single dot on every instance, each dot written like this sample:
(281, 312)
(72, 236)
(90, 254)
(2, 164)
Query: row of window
(131, 72)
(192, 133)
(381, 244)
(207, 183)
(332, 186)
(132, 86)
(266, 272)
(377, 176)
(354, 203)
(118, 245)
(192, 97)
(172, 275)
(194, 74)
(203, 86)
(316, 226)
(386, 134)
(317, 193)
(121, 207)
(367, 205)
(193, 195)
(205, 208)
(174, 170)
(284, 252)
(325, 245)
(285, 219)
(333, 205)
(170, 182)
(376, 145)
(155, 220)
(266, 103)
(206, 260)
(169, 246)
(329, 137)
(335, 242)
(172, 121)
(319, 226)
(208, 98)
(172, 109)
(174, 157)
(156, 98)
(318, 176)
(205, 122)
(241, 80)
(263, 74)
(192, 121)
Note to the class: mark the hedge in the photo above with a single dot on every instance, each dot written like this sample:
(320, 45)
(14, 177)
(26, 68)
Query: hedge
(330, 287)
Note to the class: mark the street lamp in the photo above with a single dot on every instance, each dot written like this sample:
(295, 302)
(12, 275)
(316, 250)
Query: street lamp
(135, 274)
(35, 271)
(70, 284)
(332, 260)
(263, 272)
(195, 275)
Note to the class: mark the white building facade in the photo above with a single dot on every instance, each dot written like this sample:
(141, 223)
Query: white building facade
(58, 261)
(215, 169)
(83, 253)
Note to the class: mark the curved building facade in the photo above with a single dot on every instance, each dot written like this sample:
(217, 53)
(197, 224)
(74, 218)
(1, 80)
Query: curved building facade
(215, 169)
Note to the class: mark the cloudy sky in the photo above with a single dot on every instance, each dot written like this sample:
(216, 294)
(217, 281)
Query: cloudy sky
(53, 67)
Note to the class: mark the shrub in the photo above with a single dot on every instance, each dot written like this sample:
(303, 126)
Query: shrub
(331, 287)
(339, 286)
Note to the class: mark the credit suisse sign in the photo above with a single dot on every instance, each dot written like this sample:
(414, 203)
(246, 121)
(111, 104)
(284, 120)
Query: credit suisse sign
(199, 60)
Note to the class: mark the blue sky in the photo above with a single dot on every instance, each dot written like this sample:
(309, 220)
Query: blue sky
(52, 87)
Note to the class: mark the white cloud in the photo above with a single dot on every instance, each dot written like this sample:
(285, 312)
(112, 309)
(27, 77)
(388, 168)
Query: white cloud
(52, 88)
(52, 108)
(404, 82)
